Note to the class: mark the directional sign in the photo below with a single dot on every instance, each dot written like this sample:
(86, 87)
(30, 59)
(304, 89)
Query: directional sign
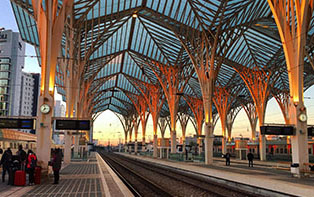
(17, 123)
(72, 124)
(277, 130)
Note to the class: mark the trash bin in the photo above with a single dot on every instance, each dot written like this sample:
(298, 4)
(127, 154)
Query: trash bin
(295, 168)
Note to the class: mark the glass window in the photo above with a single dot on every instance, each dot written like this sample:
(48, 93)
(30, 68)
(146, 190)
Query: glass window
(4, 67)
(286, 150)
(3, 97)
(5, 60)
(277, 150)
(281, 150)
(3, 82)
(4, 74)
(3, 90)
(3, 106)
(310, 151)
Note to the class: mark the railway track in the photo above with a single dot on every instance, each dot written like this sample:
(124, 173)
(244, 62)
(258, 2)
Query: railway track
(147, 179)
(138, 185)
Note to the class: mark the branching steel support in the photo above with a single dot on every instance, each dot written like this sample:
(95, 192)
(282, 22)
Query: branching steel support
(293, 18)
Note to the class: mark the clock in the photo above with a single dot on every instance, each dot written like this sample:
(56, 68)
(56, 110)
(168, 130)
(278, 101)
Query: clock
(45, 109)
(302, 117)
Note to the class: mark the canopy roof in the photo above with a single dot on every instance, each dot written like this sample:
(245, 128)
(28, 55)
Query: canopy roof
(122, 41)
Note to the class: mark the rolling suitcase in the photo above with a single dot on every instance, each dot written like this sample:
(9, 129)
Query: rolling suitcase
(20, 178)
(37, 175)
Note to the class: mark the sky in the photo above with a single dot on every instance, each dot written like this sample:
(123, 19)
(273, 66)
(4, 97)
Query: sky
(107, 127)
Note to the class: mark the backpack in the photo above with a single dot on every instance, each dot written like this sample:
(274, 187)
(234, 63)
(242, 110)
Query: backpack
(33, 163)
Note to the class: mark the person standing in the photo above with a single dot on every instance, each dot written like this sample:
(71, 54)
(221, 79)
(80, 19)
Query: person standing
(6, 161)
(227, 156)
(56, 165)
(30, 165)
(22, 156)
(250, 157)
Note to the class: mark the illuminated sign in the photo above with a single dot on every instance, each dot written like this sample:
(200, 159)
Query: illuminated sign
(72, 124)
(277, 130)
(11, 123)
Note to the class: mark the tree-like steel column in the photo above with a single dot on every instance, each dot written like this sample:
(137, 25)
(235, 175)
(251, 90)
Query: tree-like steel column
(293, 19)
(141, 107)
(153, 95)
(197, 107)
(222, 102)
(232, 114)
(183, 119)
(135, 122)
(170, 78)
(50, 26)
(162, 123)
(250, 110)
(259, 82)
(127, 125)
(283, 100)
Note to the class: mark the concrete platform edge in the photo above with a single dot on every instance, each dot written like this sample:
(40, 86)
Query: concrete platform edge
(124, 190)
(102, 177)
(275, 190)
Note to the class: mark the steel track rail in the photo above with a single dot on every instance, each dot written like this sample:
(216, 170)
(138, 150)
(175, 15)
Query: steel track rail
(142, 165)
(151, 185)
(186, 172)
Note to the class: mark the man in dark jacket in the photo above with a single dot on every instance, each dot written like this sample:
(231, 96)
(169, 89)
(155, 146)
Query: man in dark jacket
(22, 156)
(227, 156)
(56, 165)
(6, 161)
(250, 157)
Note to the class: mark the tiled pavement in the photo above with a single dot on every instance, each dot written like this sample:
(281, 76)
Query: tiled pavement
(76, 179)
(83, 178)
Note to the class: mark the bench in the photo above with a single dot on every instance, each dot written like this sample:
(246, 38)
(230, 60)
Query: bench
(283, 167)
(307, 168)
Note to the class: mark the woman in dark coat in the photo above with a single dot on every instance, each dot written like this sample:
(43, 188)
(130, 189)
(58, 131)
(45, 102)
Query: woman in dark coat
(56, 165)
(6, 161)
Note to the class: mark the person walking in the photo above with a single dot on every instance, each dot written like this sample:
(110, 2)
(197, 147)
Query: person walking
(250, 157)
(30, 166)
(227, 156)
(6, 161)
(56, 165)
(22, 157)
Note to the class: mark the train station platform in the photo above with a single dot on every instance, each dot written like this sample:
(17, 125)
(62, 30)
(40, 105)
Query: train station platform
(81, 178)
(269, 176)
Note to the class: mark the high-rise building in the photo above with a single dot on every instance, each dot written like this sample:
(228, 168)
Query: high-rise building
(12, 52)
(59, 111)
(29, 95)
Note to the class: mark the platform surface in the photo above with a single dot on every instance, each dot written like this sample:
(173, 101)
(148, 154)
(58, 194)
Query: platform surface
(91, 178)
(268, 175)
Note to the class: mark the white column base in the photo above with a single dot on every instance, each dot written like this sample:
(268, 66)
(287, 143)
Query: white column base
(173, 142)
(67, 147)
(262, 147)
(155, 154)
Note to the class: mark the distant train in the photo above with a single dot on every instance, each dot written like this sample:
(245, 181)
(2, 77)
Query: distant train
(273, 147)
(10, 138)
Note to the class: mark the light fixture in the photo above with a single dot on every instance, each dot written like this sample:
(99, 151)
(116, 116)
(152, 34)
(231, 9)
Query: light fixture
(134, 15)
